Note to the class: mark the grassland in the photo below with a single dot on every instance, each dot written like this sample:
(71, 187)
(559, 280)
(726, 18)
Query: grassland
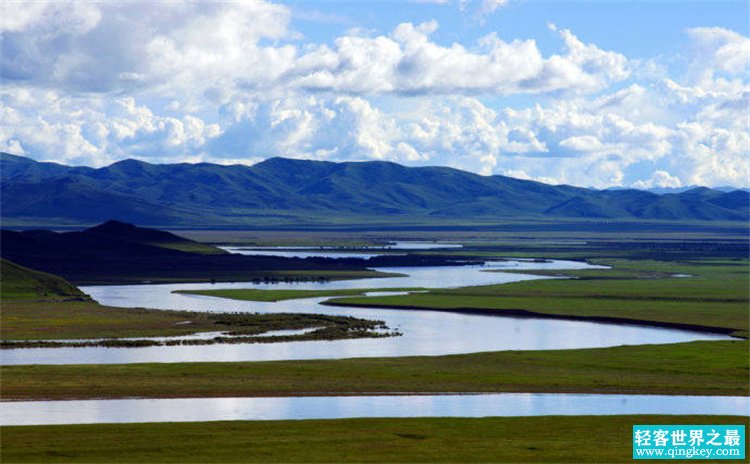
(715, 297)
(39, 320)
(251, 294)
(696, 368)
(38, 307)
(191, 247)
(114, 327)
(516, 234)
(639, 289)
(493, 439)
(20, 283)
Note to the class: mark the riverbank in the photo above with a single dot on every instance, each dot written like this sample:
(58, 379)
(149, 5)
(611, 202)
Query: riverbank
(82, 324)
(43, 310)
(492, 439)
(261, 276)
(251, 294)
(523, 313)
(713, 296)
(695, 368)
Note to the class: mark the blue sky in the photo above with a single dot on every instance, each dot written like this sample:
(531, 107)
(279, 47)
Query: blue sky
(638, 29)
(600, 94)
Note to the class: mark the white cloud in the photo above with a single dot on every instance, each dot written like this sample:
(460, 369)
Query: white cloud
(174, 48)
(577, 141)
(721, 49)
(583, 143)
(118, 46)
(490, 6)
(409, 62)
(317, 127)
(227, 82)
(96, 131)
(68, 17)
(658, 179)
(480, 10)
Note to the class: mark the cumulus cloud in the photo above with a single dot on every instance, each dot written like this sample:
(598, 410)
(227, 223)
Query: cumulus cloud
(116, 46)
(658, 179)
(316, 127)
(407, 61)
(96, 131)
(178, 46)
(720, 49)
(577, 141)
(611, 145)
(95, 82)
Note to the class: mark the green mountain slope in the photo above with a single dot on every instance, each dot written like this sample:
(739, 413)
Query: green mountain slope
(18, 282)
(296, 191)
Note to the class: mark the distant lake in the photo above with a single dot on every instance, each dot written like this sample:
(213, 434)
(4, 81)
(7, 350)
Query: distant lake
(339, 407)
(363, 252)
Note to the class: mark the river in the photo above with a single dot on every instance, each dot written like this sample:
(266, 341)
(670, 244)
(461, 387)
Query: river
(340, 407)
(425, 333)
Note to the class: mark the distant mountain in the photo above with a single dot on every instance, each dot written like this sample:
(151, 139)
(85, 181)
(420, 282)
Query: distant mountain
(297, 192)
(663, 190)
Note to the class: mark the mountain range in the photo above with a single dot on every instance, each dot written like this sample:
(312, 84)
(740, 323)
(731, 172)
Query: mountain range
(291, 191)
(663, 190)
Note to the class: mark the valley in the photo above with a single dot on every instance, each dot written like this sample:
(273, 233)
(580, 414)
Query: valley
(635, 314)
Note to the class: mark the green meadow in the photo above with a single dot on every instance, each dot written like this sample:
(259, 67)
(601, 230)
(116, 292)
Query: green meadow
(695, 368)
(714, 296)
(493, 439)
(640, 288)
(40, 307)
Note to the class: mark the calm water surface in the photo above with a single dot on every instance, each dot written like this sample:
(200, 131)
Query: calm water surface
(425, 332)
(339, 407)
(338, 252)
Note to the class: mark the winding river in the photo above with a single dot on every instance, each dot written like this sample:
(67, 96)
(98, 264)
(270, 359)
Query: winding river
(425, 333)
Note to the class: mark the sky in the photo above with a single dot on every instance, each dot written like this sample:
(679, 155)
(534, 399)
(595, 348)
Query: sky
(595, 94)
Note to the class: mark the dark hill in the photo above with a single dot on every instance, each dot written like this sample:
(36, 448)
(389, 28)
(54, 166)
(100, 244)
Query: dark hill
(117, 252)
(296, 192)
(118, 230)
(80, 253)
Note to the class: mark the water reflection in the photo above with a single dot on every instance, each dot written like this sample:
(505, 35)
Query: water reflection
(333, 407)
(363, 252)
(425, 332)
